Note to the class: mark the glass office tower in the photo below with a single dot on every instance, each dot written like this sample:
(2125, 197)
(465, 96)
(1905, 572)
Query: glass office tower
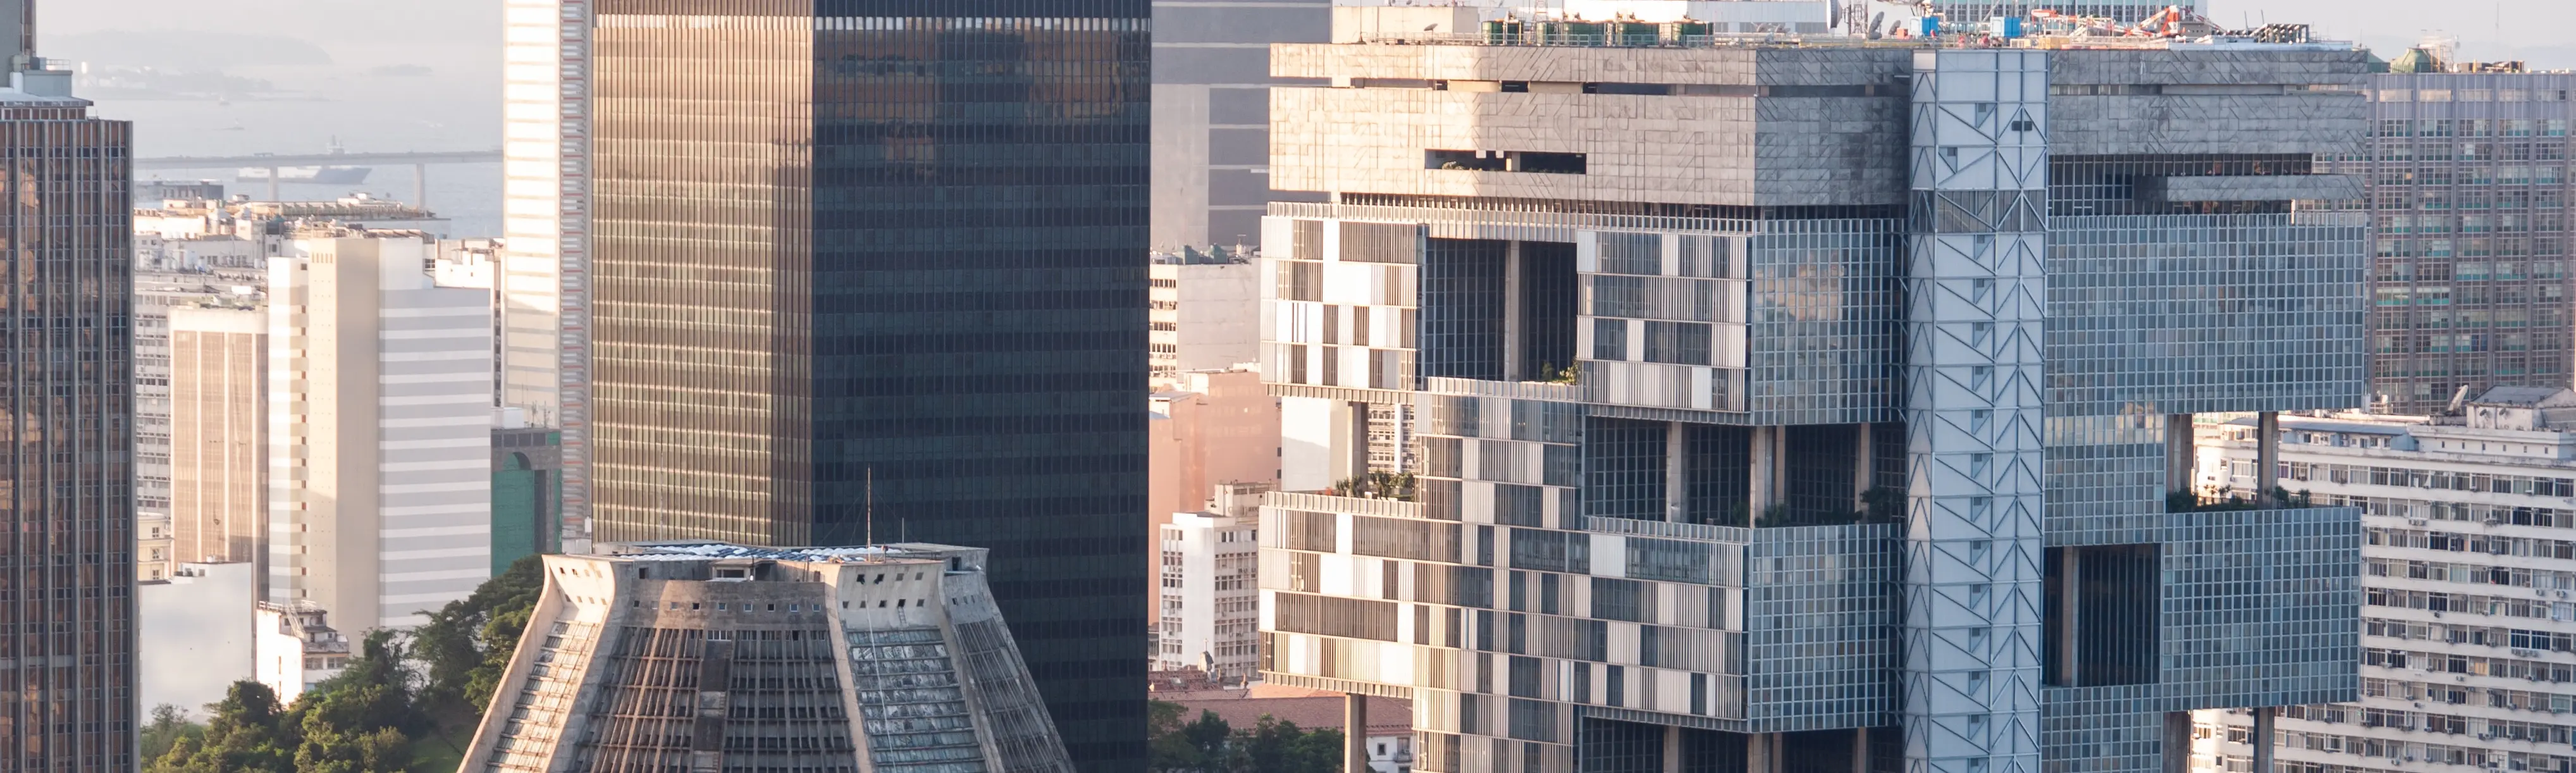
(67, 495)
(890, 252)
(1883, 362)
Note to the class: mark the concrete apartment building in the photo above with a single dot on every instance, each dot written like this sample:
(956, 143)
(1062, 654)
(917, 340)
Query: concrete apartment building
(882, 658)
(218, 409)
(2468, 181)
(1214, 428)
(1205, 313)
(2467, 626)
(1209, 617)
(294, 647)
(1885, 360)
(155, 295)
(380, 415)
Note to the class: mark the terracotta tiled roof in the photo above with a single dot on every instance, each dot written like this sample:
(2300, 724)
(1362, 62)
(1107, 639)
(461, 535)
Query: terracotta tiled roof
(1387, 716)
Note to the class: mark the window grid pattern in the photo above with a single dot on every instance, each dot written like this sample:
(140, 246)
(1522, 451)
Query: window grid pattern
(1623, 469)
(2203, 313)
(1721, 474)
(1823, 326)
(1462, 308)
(1821, 610)
(2105, 477)
(2468, 181)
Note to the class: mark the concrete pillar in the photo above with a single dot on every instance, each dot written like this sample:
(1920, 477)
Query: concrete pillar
(1767, 448)
(2267, 456)
(1676, 472)
(2070, 584)
(1672, 749)
(1762, 753)
(2262, 738)
(1355, 732)
(1864, 466)
(2177, 751)
(420, 185)
(1513, 368)
(2180, 450)
(1860, 736)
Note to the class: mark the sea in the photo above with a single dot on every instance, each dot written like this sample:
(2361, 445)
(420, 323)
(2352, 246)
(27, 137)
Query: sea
(468, 195)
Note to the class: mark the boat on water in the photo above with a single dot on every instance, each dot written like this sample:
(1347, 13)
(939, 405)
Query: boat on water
(320, 175)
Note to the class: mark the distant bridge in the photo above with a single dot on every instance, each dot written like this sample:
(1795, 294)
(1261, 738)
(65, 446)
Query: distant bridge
(420, 163)
(320, 159)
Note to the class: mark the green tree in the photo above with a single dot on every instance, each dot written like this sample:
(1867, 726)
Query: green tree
(463, 650)
(1274, 746)
(244, 736)
(359, 721)
(169, 725)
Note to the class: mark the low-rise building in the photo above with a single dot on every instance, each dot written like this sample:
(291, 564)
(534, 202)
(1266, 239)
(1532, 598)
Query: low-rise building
(1211, 596)
(880, 658)
(2469, 555)
(294, 647)
(1204, 312)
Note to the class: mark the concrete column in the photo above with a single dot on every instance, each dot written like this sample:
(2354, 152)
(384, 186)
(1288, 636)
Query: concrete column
(1676, 472)
(1860, 736)
(2180, 451)
(1672, 749)
(1355, 732)
(2177, 751)
(2262, 738)
(1762, 753)
(1864, 465)
(1513, 367)
(2070, 584)
(1766, 463)
(420, 185)
(2267, 456)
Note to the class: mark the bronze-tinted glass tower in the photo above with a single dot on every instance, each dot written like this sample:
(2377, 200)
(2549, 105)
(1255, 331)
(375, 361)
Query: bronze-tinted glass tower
(66, 498)
(888, 250)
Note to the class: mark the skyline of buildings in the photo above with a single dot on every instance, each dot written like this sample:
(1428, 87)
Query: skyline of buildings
(767, 276)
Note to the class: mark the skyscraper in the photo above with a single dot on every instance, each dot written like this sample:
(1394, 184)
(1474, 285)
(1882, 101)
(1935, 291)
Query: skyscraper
(543, 287)
(892, 252)
(2468, 177)
(66, 562)
(1803, 407)
(379, 428)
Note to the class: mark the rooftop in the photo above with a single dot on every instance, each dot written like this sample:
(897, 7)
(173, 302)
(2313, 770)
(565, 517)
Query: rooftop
(708, 550)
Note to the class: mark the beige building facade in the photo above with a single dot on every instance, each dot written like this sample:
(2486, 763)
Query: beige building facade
(380, 409)
(1217, 427)
(218, 433)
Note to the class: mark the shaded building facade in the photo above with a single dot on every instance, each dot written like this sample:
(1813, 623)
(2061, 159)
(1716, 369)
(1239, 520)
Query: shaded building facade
(846, 253)
(66, 560)
(2469, 184)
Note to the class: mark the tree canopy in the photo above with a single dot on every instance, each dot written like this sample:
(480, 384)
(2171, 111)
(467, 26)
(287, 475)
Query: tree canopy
(402, 705)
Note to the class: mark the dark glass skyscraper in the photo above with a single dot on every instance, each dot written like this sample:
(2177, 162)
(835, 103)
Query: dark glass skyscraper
(66, 470)
(899, 241)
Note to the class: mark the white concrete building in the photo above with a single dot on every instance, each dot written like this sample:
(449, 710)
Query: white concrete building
(155, 295)
(545, 169)
(1211, 596)
(196, 630)
(2469, 552)
(294, 647)
(1205, 315)
(380, 408)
